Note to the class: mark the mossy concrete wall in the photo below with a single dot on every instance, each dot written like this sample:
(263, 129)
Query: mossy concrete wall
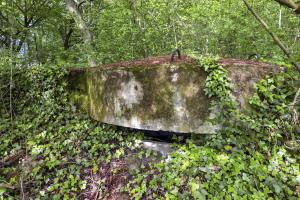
(162, 97)
(167, 97)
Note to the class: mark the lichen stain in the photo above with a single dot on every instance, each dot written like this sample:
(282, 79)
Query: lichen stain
(131, 92)
(191, 90)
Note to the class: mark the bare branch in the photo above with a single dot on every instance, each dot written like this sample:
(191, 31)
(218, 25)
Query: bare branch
(81, 3)
(294, 109)
(7, 186)
(273, 35)
(290, 4)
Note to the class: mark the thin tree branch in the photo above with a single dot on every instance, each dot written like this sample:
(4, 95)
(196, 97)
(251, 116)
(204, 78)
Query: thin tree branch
(81, 3)
(273, 35)
(7, 186)
(290, 4)
(20, 9)
(22, 194)
(35, 22)
(294, 109)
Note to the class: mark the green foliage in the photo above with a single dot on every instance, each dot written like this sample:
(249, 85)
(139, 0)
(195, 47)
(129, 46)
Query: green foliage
(58, 141)
(267, 118)
(135, 29)
(217, 84)
(247, 160)
(203, 172)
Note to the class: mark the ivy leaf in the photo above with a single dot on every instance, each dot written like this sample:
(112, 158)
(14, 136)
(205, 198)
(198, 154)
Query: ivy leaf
(2, 191)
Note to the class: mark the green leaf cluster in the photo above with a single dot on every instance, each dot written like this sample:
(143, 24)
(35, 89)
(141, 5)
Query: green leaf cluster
(58, 142)
(246, 160)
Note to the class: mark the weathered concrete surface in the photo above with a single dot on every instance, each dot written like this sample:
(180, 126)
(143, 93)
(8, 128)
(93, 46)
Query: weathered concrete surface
(244, 74)
(167, 97)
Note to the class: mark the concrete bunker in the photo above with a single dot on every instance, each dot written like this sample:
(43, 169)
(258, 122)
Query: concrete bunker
(158, 95)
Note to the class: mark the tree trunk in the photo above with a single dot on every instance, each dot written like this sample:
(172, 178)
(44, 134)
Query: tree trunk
(140, 23)
(86, 33)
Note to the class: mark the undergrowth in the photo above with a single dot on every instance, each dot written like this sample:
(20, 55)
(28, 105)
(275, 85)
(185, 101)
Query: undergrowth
(249, 159)
(54, 142)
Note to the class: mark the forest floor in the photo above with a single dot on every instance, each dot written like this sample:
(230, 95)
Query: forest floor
(51, 151)
(112, 176)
